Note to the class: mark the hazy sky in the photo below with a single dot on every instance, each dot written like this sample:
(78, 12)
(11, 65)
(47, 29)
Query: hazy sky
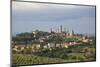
(27, 17)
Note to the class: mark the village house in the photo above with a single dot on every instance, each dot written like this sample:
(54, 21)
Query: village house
(19, 47)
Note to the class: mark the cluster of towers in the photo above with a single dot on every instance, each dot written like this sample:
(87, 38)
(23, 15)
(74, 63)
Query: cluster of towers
(62, 29)
(58, 30)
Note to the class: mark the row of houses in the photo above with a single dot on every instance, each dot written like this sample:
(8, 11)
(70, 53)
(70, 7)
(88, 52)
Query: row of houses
(36, 47)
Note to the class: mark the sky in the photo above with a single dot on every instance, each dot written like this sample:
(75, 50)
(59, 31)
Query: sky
(27, 17)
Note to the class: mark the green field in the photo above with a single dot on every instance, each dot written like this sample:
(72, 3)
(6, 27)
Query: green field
(78, 53)
(20, 59)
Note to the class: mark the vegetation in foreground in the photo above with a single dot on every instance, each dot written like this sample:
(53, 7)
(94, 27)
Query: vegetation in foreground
(58, 55)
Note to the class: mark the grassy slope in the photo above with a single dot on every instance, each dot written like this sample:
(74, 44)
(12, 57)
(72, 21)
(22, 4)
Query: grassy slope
(20, 59)
(74, 56)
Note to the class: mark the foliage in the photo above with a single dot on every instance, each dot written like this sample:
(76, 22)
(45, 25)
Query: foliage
(24, 59)
(83, 52)
(71, 40)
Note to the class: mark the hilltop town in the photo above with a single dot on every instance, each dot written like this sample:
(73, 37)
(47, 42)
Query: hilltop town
(40, 47)
(38, 40)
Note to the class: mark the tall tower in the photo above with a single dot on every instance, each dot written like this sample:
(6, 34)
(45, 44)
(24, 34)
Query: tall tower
(72, 32)
(51, 30)
(61, 28)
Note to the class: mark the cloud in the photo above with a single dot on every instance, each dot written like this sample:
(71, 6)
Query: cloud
(43, 16)
(54, 14)
(28, 6)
